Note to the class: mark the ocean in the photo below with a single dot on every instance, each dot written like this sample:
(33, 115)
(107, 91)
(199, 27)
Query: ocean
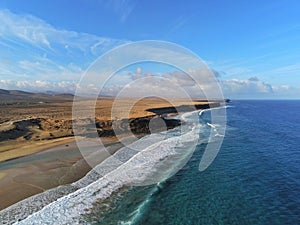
(255, 178)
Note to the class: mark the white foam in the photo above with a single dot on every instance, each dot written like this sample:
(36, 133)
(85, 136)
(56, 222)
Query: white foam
(140, 168)
(211, 125)
(150, 159)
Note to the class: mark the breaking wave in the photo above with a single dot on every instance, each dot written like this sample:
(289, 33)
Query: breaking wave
(149, 160)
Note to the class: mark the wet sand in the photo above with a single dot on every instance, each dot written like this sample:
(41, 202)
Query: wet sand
(23, 177)
(17, 148)
(38, 151)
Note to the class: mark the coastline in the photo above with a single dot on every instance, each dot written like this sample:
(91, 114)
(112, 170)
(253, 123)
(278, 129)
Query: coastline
(35, 173)
(58, 162)
(12, 150)
(72, 206)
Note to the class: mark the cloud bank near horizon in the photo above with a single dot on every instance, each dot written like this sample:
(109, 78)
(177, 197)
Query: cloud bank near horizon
(37, 57)
(234, 88)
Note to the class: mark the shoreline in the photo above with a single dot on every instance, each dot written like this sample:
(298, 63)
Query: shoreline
(26, 176)
(93, 188)
(59, 162)
(31, 148)
(35, 132)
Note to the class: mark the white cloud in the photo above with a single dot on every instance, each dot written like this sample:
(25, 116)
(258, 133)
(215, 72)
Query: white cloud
(36, 50)
(39, 86)
(122, 8)
(180, 78)
(290, 69)
(286, 91)
(163, 86)
(171, 84)
(29, 29)
(179, 22)
(234, 88)
(35, 56)
(246, 88)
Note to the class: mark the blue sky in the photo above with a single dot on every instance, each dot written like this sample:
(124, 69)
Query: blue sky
(254, 45)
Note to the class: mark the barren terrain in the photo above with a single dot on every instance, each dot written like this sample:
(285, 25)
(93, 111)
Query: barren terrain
(37, 147)
(33, 122)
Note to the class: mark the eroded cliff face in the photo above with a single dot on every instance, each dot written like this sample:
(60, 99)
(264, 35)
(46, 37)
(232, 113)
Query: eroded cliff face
(47, 128)
(137, 126)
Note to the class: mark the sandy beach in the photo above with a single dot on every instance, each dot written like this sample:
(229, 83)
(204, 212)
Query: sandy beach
(35, 173)
(38, 150)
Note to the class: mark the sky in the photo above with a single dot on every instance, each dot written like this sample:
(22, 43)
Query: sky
(253, 46)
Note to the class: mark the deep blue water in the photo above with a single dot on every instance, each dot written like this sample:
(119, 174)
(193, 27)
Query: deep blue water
(255, 178)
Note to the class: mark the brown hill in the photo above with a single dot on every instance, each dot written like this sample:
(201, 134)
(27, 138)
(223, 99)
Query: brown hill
(17, 96)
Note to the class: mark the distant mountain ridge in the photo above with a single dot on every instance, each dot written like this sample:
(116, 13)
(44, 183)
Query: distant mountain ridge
(23, 96)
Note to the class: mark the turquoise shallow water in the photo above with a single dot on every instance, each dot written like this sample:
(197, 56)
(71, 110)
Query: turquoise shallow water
(255, 178)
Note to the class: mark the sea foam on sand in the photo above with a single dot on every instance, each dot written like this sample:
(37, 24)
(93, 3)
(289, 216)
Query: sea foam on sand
(149, 160)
